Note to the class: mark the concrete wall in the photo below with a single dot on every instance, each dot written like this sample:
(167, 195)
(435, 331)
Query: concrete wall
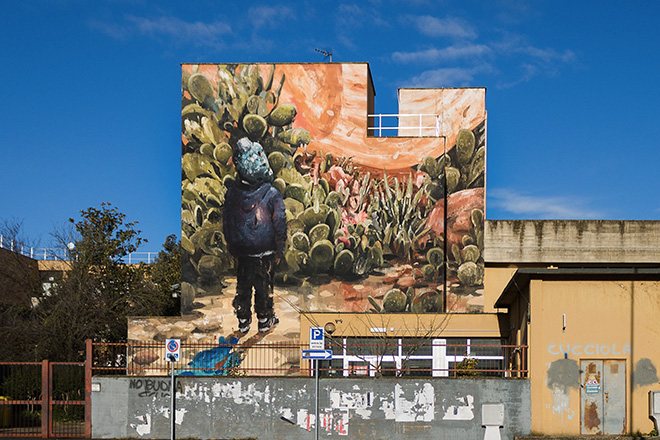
(283, 408)
(572, 241)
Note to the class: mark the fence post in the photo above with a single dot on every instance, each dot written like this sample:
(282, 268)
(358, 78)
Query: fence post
(45, 399)
(88, 388)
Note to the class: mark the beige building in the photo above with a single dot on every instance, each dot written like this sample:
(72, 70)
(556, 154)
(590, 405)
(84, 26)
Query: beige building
(583, 297)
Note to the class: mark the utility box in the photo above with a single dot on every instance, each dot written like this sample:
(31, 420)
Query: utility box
(492, 418)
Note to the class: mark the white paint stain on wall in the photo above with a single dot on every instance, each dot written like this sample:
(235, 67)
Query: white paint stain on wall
(144, 426)
(421, 408)
(240, 395)
(305, 420)
(359, 402)
(178, 415)
(560, 402)
(463, 410)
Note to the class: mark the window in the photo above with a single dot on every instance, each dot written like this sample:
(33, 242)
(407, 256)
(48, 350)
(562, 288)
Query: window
(414, 357)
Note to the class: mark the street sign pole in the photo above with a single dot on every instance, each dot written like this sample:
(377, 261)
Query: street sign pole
(318, 422)
(172, 352)
(315, 353)
(172, 404)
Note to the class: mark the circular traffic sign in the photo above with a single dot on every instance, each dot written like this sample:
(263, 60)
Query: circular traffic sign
(172, 345)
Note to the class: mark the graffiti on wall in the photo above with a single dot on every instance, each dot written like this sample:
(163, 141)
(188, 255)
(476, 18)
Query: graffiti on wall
(376, 225)
(413, 403)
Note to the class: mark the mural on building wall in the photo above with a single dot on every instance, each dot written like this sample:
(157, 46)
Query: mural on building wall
(374, 224)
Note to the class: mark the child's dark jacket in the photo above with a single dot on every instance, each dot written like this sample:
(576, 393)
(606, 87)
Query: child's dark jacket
(254, 220)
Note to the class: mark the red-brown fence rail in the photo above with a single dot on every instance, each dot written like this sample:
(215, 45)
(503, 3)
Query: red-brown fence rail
(44, 399)
(366, 357)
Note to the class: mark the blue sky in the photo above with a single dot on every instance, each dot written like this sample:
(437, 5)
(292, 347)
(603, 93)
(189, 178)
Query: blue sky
(91, 95)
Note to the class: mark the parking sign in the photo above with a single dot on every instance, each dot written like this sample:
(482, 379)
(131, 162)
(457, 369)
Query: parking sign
(172, 347)
(316, 338)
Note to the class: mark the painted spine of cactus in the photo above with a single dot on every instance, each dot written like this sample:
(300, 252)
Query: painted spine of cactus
(399, 217)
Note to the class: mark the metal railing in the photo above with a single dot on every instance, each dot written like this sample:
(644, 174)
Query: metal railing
(230, 358)
(410, 125)
(62, 254)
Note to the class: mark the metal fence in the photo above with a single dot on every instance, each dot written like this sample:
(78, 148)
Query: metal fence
(62, 254)
(397, 357)
(44, 399)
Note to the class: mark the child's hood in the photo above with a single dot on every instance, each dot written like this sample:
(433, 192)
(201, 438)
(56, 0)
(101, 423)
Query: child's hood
(251, 162)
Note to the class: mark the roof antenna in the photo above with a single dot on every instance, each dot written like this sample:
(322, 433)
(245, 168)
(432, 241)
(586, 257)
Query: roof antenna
(326, 53)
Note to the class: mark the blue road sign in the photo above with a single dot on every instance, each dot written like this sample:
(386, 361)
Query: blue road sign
(317, 354)
(316, 338)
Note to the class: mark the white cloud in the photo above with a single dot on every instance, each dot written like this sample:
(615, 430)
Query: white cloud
(176, 27)
(269, 16)
(349, 20)
(549, 55)
(513, 44)
(183, 31)
(112, 30)
(535, 61)
(447, 77)
(528, 206)
(443, 27)
(448, 53)
(522, 60)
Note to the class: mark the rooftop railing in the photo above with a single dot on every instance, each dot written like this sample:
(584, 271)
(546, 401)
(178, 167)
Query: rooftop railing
(409, 125)
(62, 254)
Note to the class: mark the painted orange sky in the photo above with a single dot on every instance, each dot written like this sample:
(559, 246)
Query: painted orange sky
(332, 101)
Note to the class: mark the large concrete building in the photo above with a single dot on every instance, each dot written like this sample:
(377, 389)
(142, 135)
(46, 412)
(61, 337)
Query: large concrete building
(387, 241)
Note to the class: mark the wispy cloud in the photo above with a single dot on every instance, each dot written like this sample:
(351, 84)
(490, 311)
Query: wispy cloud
(447, 77)
(524, 61)
(529, 206)
(517, 45)
(533, 60)
(165, 26)
(515, 11)
(446, 54)
(269, 16)
(176, 27)
(350, 18)
(442, 27)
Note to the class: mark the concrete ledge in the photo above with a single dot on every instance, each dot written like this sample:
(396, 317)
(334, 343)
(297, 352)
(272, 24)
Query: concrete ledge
(572, 241)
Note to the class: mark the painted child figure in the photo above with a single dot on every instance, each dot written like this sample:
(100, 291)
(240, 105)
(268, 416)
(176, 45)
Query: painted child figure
(255, 231)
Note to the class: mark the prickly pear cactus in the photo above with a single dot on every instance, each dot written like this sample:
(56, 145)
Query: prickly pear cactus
(341, 221)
